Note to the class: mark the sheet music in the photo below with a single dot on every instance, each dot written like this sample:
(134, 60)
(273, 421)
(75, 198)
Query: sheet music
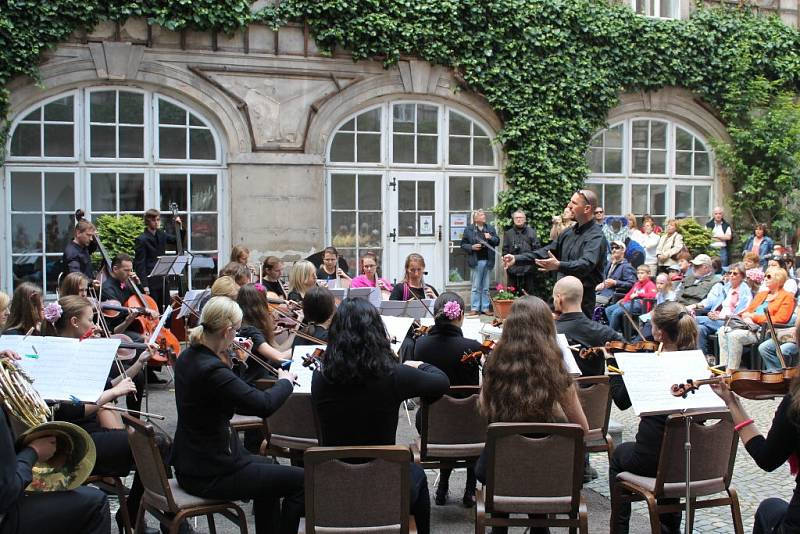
(648, 378)
(190, 301)
(304, 374)
(569, 360)
(65, 367)
(395, 308)
(397, 328)
(338, 293)
(471, 328)
(372, 294)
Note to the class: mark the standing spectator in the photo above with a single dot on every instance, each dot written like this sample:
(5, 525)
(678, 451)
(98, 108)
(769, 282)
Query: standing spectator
(599, 215)
(722, 235)
(619, 276)
(759, 243)
(522, 238)
(476, 242)
(561, 223)
(580, 251)
(649, 218)
(633, 229)
(669, 246)
(650, 244)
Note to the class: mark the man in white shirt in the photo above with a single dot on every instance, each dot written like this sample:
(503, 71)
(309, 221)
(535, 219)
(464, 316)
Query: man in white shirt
(721, 233)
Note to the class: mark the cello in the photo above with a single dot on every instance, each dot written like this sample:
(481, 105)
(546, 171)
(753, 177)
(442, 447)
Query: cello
(168, 344)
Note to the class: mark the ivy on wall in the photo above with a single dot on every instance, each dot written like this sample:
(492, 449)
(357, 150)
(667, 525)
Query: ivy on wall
(551, 69)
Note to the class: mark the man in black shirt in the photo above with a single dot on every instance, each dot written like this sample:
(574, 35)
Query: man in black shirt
(151, 244)
(118, 287)
(519, 239)
(579, 251)
(78, 252)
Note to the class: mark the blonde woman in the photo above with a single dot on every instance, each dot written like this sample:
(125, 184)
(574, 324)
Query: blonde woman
(302, 277)
(669, 245)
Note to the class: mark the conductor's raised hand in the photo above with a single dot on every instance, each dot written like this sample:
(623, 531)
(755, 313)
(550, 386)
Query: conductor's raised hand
(508, 261)
(550, 263)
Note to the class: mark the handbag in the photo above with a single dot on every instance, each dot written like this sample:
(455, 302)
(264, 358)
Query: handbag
(737, 323)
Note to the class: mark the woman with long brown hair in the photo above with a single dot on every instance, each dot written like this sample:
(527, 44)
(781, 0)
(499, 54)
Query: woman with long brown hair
(26, 311)
(257, 325)
(413, 282)
(74, 283)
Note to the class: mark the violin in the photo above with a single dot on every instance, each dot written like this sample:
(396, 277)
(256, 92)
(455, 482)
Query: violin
(420, 331)
(639, 346)
(486, 347)
(314, 360)
(747, 383)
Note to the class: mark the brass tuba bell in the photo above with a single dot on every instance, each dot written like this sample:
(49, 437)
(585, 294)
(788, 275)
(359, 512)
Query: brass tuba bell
(75, 453)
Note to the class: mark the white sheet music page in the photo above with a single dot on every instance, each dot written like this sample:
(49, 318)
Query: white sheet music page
(397, 328)
(648, 378)
(569, 360)
(304, 374)
(62, 368)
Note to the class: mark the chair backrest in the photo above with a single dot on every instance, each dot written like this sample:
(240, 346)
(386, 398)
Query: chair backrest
(343, 496)
(594, 393)
(534, 467)
(713, 450)
(293, 422)
(149, 463)
(454, 419)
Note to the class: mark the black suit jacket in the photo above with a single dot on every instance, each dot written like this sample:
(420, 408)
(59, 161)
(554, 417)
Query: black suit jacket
(147, 248)
(15, 468)
(207, 394)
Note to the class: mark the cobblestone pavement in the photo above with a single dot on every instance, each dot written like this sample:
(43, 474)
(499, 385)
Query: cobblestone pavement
(752, 483)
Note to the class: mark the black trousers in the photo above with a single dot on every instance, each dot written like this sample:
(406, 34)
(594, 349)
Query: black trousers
(265, 483)
(420, 499)
(522, 281)
(627, 458)
(769, 517)
(81, 511)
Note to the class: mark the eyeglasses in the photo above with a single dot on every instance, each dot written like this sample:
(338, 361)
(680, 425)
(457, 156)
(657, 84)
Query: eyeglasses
(598, 211)
(615, 247)
(736, 273)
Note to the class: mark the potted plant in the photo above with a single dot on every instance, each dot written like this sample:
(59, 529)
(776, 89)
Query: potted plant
(503, 299)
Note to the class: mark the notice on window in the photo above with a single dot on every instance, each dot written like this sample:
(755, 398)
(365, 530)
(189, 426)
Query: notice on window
(426, 225)
(458, 222)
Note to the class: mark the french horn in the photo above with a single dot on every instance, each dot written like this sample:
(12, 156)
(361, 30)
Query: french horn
(75, 453)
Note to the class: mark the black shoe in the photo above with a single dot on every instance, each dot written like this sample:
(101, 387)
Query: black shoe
(441, 494)
(469, 498)
(589, 474)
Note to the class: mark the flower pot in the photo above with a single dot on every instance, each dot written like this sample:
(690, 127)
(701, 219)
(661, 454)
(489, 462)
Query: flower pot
(502, 307)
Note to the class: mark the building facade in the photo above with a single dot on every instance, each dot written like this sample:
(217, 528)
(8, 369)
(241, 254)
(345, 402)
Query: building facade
(261, 140)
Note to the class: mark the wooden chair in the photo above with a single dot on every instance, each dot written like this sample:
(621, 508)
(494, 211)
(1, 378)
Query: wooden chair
(292, 429)
(533, 469)
(163, 495)
(594, 393)
(345, 497)
(452, 430)
(113, 485)
(713, 454)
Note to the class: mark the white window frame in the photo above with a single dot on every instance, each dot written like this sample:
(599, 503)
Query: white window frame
(155, 126)
(676, 13)
(76, 141)
(440, 151)
(474, 123)
(87, 133)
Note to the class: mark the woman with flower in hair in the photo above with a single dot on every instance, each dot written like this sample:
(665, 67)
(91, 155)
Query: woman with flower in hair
(443, 347)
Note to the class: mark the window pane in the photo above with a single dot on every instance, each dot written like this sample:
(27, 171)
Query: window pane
(104, 191)
(27, 234)
(640, 134)
(58, 232)
(683, 163)
(103, 142)
(407, 195)
(131, 142)
(459, 150)
(596, 160)
(59, 191)
(203, 232)
(369, 192)
(426, 195)
(53, 270)
(658, 161)
(342, 147)
(459, 269)
(172, 143)
(683, 139)
(427, 119)
(482, 151)
(459, 195)
(403, 149)
(26, 140)
(102, 106)
(343, 192)
(613, 163)
(658, 135)
(701, 165)
(369, 147)
(702, 202)
(204, 192)
(204, 276)
(613, 137)
(131, 192)
(483, 196)
(27, 269)
(194, 120)
(370, 229)
(427, 149)
(60, 110)
(403, 118)
(459, 125)
(369, 121)
(407, 223)
(640, 161)
(639, 199)
(683, 201)
(344, 224)
(26, 191)
(658, 199)
(131, 108)
(173, 189)
(58, 140)
(170, 113)
(349, 126)
(201, 144)
(612, 203)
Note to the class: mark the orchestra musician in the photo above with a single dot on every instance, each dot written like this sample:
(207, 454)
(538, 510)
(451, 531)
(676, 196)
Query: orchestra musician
(330, 270)
(118, 287)
(151, 244)
(369, 274)
(302, 277)
(71, 317)
(413, 284)
(77, 255)
(83, 510)
(677, 330)
(358, 391)
(318, 309)
(74, 284)
(444, 346)
(238, 271)
(240, 254)
(257, 326)
(25, 314)
(208, 459)
(273, 270)
(525, 380)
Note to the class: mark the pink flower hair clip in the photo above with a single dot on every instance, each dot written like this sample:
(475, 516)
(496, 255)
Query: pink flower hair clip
(52, 312)
(260, 287)
(452, 310)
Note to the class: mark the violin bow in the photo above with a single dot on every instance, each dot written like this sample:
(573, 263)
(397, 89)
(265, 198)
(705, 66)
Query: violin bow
(775, 339)
(633, 323)
(303, 335)
(424, 307)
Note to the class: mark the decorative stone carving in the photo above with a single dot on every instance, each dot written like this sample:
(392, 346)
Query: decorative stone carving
(419, 76)
(116, 61)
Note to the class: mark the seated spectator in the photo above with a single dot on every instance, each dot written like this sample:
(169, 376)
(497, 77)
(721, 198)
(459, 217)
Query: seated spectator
(634, 252)
(633, 301)
(619, 276)
(751, 261)
(787, 337)
(791, 284)
(664, 293)
(697, 285)
(724, 300)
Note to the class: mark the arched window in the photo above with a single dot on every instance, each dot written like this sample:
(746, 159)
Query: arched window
(405, 176)
(653, 166)
(108, 150)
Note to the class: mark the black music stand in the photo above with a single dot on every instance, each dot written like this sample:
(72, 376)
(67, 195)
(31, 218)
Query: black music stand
(169, 266)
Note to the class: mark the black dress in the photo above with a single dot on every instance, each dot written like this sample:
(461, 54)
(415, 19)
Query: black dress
(208, 458)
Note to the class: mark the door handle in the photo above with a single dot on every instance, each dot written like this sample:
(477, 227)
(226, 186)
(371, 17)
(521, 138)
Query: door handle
(393, 235)
(440, 232)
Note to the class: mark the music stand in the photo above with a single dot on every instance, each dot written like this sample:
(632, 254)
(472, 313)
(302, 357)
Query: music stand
(169, 266)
